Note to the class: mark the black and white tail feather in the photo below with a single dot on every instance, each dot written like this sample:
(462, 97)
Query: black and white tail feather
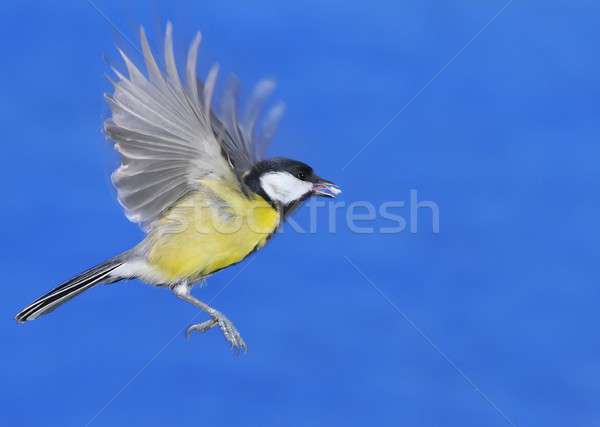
(66, 291)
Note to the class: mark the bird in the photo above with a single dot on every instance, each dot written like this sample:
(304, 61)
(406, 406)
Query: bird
(194, 177)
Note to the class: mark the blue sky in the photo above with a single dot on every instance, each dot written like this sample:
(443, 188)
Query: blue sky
(492, 319)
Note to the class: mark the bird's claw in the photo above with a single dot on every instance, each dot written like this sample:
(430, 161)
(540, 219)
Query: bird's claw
(232, 335)
(230, 332)
(200, 327)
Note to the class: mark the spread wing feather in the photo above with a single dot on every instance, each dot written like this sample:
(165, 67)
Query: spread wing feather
(169, 137)
(242, 140)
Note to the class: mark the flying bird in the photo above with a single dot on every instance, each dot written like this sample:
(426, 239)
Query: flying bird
(194, 177)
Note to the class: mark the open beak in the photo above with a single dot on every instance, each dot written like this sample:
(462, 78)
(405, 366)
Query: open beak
(325, 188)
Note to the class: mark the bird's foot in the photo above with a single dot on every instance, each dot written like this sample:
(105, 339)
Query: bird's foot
(230, 332)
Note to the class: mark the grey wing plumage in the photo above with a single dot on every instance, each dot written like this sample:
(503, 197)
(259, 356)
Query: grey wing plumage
(242, 140)
(169, 137)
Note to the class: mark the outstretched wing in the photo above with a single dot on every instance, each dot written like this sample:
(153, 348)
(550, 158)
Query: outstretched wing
(169, 137)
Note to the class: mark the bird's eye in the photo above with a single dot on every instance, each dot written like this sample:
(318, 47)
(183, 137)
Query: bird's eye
(301, 175)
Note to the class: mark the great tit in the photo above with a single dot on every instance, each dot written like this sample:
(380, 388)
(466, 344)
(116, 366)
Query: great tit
(193, 178)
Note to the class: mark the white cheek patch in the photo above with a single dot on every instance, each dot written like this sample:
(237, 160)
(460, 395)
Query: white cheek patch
(283, 187)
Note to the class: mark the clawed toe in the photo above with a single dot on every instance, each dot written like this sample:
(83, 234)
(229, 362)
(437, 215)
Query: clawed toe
(200, 327)
(232, 335)
(230, 332)
(182, 290)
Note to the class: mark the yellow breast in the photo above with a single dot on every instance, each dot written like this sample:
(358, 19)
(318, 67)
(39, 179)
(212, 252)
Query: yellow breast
(210, 230)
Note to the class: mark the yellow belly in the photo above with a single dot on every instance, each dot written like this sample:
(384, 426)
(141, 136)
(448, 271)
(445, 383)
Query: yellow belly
(198, 236)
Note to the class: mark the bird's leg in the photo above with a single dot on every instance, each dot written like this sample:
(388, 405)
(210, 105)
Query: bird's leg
(182, 290)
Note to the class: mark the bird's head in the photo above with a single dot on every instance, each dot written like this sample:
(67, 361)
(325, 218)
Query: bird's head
(285, 182)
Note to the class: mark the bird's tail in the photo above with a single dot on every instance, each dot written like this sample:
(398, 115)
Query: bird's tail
(68, 290)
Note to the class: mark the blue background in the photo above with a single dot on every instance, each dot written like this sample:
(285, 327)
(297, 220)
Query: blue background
(504, 140)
